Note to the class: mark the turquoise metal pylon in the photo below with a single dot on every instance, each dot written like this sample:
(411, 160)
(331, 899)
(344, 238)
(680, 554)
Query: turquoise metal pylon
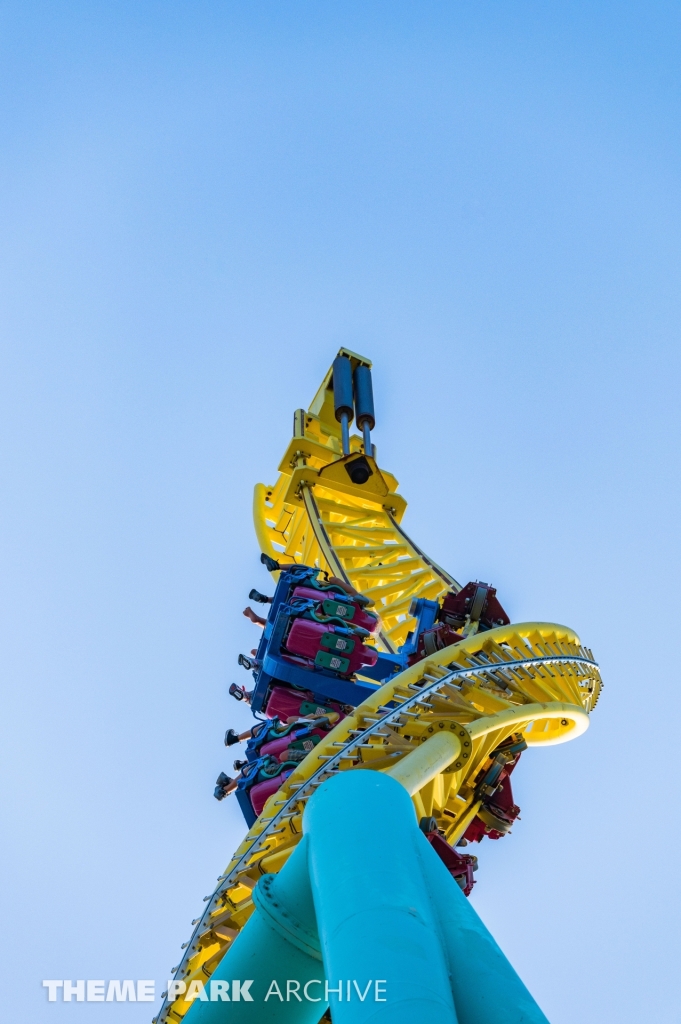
(357, 913)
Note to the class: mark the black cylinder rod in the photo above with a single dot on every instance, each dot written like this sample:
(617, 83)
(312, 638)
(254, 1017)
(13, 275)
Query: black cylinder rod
(342, 397)
(364, 405)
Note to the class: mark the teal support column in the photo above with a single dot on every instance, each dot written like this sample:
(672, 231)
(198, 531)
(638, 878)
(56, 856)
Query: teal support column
(375, 919)
(278, 944)
(485, 986)
(373, 910)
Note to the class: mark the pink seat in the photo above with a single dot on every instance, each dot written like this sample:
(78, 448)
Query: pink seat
(285, 702)
(306, 639)
(278, 748)
(365, 619)
(262, 791)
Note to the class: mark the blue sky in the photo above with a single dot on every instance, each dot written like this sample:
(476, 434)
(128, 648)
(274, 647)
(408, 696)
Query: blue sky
(198, 204)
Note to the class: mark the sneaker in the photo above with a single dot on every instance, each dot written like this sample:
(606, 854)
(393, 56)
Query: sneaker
(239, 693)
(222, 782)
(270, 564)
(231, 738)
(255, 595)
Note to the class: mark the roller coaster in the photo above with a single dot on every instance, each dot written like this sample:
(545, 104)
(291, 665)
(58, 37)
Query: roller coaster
(392, 705)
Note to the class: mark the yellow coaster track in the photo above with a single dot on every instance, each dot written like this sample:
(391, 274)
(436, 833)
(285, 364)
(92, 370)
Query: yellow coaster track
(316, 515)
(534, 681)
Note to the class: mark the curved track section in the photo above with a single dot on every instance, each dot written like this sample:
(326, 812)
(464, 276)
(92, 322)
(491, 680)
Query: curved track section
(532, 681)
(315, 515)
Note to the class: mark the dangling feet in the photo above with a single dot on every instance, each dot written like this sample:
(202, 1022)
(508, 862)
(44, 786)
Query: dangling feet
(256, 619)
(255, 595)
(224, 786)
(239, 692)
(231, 737)
(271, 564)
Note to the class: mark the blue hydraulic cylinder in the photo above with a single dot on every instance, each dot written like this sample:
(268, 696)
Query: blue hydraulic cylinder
(375, 919)
(342, 397)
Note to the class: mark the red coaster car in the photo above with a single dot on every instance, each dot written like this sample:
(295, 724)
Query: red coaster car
(329, 647)
(284, 702)
(261, 792)
(298, 743)
(330, 605)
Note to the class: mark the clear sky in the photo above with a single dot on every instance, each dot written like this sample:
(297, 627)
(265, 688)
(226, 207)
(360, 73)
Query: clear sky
(199, 202)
